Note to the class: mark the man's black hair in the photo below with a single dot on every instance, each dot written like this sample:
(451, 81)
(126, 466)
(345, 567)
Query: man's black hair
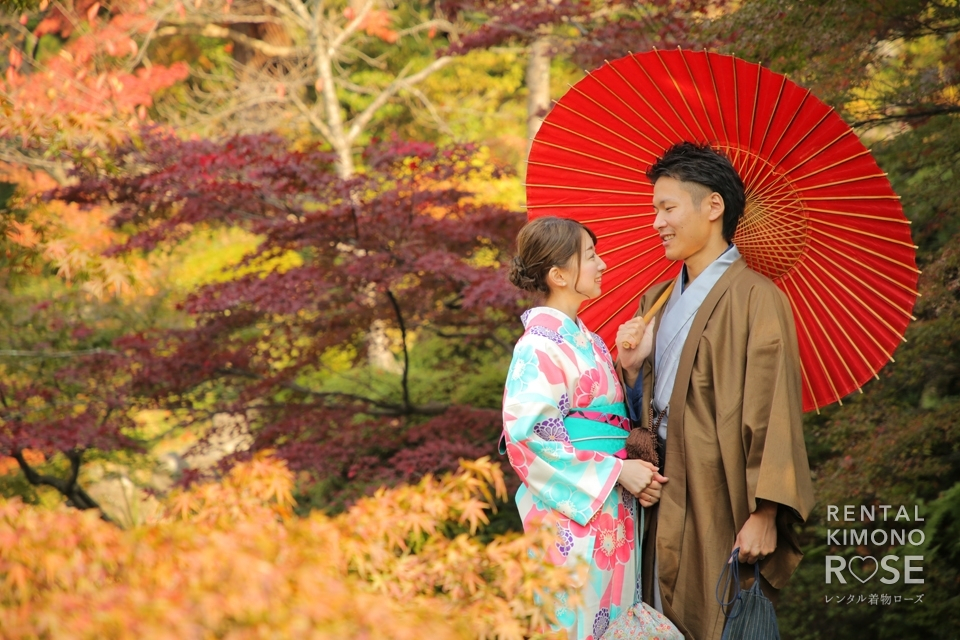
(704, 165)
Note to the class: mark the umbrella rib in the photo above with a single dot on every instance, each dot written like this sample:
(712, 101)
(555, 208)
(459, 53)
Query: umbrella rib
(761, 178)
(676, 85)
(590, 98)
(753, 118)
(806, 381)
(607, 129)
(781, 206)
(611, 234)
(872, 290)
(820, 198)
(833, 346)
(593, 204)
(660, 91)
(631, 299)
(753, 111)
(816, 153)
(696, 87)
(610, 270)
(640, 95)
(622, 284)
(816, 352)
(861, 232)
(630, 244)
(806, 135)
(592, 173)
(632, 216)
(576, 188)
(585, 137)
(587, 155)
(716, 93)
(850, 214)
(779, 192)
(837, 183)
(630, 107)
(736, 103)
(830, 166)
(793, 119)
(846, 309)
(906, 288)
(863, 305)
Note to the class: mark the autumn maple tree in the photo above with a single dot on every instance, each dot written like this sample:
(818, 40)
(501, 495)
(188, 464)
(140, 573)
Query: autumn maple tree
(62, 303)
(402, 253)
(230, 559)
(75, 79)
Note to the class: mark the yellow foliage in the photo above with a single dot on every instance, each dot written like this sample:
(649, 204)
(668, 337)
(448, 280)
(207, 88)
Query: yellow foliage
(230, 560)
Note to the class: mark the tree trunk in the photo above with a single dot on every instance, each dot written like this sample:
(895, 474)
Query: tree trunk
(538, 86)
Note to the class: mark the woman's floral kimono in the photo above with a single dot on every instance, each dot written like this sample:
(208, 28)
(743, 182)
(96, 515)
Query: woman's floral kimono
(559, 366)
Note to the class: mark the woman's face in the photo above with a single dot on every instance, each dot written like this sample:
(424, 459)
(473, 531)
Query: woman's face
(591, 269)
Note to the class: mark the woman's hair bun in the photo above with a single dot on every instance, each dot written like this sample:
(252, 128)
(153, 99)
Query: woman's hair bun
(520, 278)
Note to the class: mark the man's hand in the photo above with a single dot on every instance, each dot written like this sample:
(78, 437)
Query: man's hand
(634, 344)
(758, 537)
(638, 476)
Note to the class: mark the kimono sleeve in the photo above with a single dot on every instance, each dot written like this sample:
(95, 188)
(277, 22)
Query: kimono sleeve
(772, 431)
(540, 383)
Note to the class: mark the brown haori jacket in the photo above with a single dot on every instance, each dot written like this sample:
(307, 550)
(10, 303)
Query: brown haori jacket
(734, 436)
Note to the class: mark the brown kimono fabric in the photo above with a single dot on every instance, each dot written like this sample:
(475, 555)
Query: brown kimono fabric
(734, 436)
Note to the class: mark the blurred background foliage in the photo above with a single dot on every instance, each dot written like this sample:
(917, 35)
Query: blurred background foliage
(221, 224)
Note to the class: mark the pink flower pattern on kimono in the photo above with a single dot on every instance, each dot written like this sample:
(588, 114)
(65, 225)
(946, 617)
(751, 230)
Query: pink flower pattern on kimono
(520, 459)
(614, 540)
(590, 386)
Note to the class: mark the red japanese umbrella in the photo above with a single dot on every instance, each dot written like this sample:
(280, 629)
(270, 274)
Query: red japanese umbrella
(821, 220)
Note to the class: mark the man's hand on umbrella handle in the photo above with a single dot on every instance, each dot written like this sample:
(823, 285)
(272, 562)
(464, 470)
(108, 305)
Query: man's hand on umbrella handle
(634, 343)
(758, 537)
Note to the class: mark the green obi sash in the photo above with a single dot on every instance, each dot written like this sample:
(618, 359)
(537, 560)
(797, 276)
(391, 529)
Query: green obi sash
(602, 428)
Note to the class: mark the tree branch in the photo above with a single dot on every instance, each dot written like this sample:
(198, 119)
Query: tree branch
(403, 341)
(915, 115)
(380, 408)
(447, 26)
(216, 31)
(22, 353)
(358, 124)
(73, 492)
(350, 29)
(314, 119)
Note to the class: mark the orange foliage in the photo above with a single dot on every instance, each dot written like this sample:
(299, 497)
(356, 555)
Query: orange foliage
(229, 559)
(91, 91)
(71, 239)
(10, 465)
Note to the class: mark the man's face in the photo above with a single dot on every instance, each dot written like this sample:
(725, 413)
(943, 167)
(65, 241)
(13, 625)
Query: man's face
(683, 217)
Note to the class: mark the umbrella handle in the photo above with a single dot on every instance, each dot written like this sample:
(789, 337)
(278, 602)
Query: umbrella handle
(659, 303)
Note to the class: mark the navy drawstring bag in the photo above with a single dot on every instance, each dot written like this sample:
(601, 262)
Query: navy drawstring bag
(750, 614)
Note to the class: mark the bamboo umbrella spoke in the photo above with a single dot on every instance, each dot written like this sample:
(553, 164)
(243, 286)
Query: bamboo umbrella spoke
(578, 152)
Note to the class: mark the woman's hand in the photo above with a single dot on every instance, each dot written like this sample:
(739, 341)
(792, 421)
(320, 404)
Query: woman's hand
(634, 344)
(651, 495)
(642, 479)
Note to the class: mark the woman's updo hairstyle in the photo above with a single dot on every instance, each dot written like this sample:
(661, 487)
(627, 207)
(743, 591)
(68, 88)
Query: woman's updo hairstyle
(543, 244)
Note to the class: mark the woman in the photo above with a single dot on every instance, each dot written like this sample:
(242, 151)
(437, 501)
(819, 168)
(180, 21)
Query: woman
(565, 424)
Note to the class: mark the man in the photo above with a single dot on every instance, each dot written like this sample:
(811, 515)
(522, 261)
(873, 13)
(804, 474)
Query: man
(721, 390)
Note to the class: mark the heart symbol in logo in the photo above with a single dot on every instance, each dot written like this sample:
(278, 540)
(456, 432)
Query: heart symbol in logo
(863, 560)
